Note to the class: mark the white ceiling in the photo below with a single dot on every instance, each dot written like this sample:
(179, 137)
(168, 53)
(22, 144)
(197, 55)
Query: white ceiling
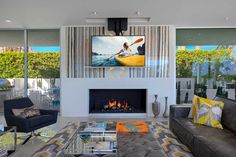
(56, 13)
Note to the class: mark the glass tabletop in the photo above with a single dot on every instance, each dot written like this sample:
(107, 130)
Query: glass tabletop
(94, 141)
(8, 129)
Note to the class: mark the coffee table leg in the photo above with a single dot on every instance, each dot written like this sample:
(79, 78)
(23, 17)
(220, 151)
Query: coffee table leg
(15, 138)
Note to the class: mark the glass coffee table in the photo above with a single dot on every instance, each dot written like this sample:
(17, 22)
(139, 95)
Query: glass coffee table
(83, 143)
(95, 142)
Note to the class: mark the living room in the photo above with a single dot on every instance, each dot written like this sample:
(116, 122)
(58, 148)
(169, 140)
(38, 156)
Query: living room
(75, 72)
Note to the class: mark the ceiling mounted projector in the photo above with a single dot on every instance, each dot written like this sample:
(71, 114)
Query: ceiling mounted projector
(117, 25)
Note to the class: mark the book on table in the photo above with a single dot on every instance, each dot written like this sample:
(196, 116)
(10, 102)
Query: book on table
(109, 145)
(96, 127)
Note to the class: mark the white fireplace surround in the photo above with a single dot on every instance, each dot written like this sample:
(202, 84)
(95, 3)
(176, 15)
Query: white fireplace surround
(75, 91)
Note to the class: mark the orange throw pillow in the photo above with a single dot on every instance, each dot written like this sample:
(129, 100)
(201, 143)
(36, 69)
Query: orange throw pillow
(131, 127)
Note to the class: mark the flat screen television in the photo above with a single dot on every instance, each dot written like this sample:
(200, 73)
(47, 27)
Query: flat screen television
(118, 50)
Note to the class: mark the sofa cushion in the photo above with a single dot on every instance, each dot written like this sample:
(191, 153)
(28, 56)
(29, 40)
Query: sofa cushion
(228, 118)
(186, 131)
(221, 145)
(179, 128)
(38, 120)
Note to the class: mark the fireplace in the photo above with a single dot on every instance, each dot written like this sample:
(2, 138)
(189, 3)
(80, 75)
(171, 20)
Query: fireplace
(117, 100)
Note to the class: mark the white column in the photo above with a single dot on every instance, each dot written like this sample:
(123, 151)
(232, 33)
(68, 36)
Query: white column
(25, 62)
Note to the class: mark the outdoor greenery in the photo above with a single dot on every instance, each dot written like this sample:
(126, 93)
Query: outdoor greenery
(40, 65)
(186, 58)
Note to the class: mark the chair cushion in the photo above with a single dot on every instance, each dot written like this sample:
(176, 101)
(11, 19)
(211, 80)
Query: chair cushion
(26, 112)
(38, 120)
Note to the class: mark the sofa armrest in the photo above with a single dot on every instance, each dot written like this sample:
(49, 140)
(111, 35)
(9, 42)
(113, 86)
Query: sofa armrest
(179, 111)
(16, 119)
(42, 111)
(49, 112)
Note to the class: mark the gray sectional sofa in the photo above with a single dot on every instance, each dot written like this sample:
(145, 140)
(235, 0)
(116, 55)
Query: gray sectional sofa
(206, 141)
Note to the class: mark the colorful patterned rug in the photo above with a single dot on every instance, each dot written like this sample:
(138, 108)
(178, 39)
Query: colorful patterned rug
(7, 140)
(169, 142)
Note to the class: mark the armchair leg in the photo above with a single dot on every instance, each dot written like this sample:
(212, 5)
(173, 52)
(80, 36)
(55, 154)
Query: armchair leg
(39, 134)
(28, 138)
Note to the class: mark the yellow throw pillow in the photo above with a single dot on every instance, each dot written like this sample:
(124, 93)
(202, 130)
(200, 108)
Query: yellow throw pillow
(195, 98)
(207, 112)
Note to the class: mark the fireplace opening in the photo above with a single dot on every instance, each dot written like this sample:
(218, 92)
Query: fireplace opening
(117, 101)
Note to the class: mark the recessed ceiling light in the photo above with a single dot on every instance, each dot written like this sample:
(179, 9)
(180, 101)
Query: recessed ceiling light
(137, 12)
(8, 21)
(94, 13)
(226, 18)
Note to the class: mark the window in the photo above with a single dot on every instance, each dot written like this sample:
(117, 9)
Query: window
(43, 66)
(206, 61)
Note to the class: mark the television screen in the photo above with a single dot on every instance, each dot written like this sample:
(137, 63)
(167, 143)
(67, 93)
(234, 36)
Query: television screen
(118, 51)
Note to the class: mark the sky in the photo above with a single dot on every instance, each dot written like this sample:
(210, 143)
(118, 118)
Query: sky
(46, 48)
(204, 47)
(113, 44)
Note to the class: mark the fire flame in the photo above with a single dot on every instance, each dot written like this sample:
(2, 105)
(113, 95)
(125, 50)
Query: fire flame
(117, 104)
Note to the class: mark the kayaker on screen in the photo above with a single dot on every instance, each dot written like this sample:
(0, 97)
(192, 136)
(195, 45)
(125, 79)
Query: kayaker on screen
(126, 51)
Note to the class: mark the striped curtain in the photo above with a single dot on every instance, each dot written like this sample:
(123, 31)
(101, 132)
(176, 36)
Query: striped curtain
(78, 45)
(156, 53)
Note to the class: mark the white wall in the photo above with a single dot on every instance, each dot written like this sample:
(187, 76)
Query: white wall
(75, 91)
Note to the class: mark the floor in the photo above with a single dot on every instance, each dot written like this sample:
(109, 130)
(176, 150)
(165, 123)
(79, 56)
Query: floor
(31, 145)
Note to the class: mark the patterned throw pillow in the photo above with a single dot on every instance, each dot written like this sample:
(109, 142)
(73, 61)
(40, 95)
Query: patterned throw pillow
(207, 112)
(26, 112)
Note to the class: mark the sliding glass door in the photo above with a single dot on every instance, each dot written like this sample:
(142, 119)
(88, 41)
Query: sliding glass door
(44, 68)
(30, 66)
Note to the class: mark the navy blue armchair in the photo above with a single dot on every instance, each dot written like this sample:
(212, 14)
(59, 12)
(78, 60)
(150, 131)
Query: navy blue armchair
(46, 117)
